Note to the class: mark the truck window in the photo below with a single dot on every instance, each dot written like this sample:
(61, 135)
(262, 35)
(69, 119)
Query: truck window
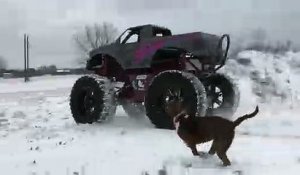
(133, 39)
(161, 33)
(130, 37)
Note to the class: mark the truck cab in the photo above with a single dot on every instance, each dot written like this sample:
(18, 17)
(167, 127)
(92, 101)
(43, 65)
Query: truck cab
(141, 33)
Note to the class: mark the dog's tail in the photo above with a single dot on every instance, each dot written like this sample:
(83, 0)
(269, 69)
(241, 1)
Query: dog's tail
(238, 121)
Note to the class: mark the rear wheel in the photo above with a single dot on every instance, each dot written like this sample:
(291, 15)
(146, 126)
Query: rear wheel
(192, 91)
(223, 96)
(92, 99)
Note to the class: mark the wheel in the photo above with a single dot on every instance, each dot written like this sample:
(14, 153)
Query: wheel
(134, 110)
(223, 96)
(92, 99)
(192, 91)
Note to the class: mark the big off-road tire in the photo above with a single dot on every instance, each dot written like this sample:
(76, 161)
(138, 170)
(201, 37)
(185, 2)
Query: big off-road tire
(92, 99)
(193, 93)
(223, 96)
(134, 110)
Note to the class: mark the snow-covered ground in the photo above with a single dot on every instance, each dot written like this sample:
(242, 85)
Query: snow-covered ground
(38, 136)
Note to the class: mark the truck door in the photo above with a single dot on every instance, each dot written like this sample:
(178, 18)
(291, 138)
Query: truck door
(127, 48)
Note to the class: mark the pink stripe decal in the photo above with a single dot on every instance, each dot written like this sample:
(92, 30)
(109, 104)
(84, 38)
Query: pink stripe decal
(150, 48)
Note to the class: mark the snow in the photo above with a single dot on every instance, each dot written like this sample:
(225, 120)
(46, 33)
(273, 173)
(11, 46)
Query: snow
(39, 136)
(44, 83)
(269, 73)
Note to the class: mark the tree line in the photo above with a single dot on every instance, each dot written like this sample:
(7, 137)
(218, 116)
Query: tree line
(87, 38)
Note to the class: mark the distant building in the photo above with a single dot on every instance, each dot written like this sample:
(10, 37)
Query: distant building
(7, 75)
(63, 71)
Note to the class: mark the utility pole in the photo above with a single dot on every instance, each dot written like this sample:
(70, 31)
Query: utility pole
(26, 58)
(27, 44)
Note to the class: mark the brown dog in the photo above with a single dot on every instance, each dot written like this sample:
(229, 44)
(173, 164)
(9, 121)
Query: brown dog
(195, 130)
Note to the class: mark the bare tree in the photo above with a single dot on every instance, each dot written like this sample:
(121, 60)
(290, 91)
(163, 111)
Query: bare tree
(94, 36)
(3, 63)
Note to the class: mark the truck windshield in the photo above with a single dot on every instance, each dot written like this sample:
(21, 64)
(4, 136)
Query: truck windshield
(128, 36)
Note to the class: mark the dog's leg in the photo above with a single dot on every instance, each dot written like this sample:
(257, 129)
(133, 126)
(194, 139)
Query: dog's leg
(224, 158)
(194, 150)
(221, 152)
(222, 147)
(196, 153)
(212, 149)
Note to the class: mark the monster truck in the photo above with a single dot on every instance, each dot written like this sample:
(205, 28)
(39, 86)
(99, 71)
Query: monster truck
(140, 69)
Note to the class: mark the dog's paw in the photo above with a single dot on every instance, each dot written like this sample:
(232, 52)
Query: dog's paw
(225, 164)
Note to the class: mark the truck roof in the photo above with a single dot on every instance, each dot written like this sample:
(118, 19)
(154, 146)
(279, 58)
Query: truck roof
(154, 27)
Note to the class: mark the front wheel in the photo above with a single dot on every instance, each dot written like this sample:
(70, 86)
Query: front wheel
(92, 99)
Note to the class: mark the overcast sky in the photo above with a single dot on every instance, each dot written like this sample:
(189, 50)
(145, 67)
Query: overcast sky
(51, 23)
